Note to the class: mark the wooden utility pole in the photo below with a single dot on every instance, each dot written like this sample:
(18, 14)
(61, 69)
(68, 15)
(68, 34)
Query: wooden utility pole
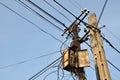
(75, 59)
(71, 55)
(101, 67)
(75, 43)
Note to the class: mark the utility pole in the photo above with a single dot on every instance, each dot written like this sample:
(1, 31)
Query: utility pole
(71, 55)
(76, 44)
(101, 67)
(75, 59)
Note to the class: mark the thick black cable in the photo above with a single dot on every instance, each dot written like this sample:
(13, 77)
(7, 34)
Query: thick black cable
(44, 69)
(57, 11)
(86, 24)
(38, 14)
(46, 13)
(111, 44)
(31, 22)
(65, 8)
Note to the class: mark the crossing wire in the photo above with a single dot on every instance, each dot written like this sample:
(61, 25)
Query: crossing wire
(30, 22)
(45, 69)
(39, 15)
(107, 59)
(65, 8)
(110, 44)
(57, 11)
(46, 13)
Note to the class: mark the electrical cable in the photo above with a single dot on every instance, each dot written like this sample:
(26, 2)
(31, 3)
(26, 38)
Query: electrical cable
(46, 13)
(77, 3)
(113, 34)
(28, 60)
(74, 3)
(31, 22)
(58, 78)
(102, 12)
(44, 69)
(86, 24)
(107, 41)
(113, 65)
(57, 11)
(65, 8)
(39, 15)
(62, 45)
(49, 74)
(62, 73)
(107, 59)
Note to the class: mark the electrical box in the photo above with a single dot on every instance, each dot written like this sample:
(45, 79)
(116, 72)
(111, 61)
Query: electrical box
(83, 58)
(68, 59)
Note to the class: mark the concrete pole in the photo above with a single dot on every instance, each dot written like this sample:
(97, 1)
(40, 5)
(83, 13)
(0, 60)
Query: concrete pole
(101, 67)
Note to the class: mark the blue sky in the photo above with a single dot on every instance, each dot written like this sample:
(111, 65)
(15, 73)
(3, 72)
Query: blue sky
(22, 41)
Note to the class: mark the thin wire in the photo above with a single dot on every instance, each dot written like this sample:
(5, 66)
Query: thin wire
(86, 24)
(62, 45)
(74, 3)
(49, 74)
(45, 69)
(107, 59)
(113, 65)
(65, 8)
(58, 78)
(39, 15)
(62, 73)
(113, 34)
(78, 4)
(28, 60)
(107, 41)
(57, 11)
(102, 12)
(31, 22)
(47, 13)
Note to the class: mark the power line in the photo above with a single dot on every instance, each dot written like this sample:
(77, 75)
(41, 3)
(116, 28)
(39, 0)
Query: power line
(102, 12)
(113, 34)
(74, 3)
(107, 60)
(39, 15)
(113, 65)
(77, 3)
(46, 13)
(65, 8)
(57, 11)
(45, 69)
(107, 41)
(31, 22)
(49, 74)
(28, 60)
(86, 24)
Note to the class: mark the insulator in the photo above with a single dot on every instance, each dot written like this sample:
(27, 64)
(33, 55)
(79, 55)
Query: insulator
(78, 29)
(85, 30)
